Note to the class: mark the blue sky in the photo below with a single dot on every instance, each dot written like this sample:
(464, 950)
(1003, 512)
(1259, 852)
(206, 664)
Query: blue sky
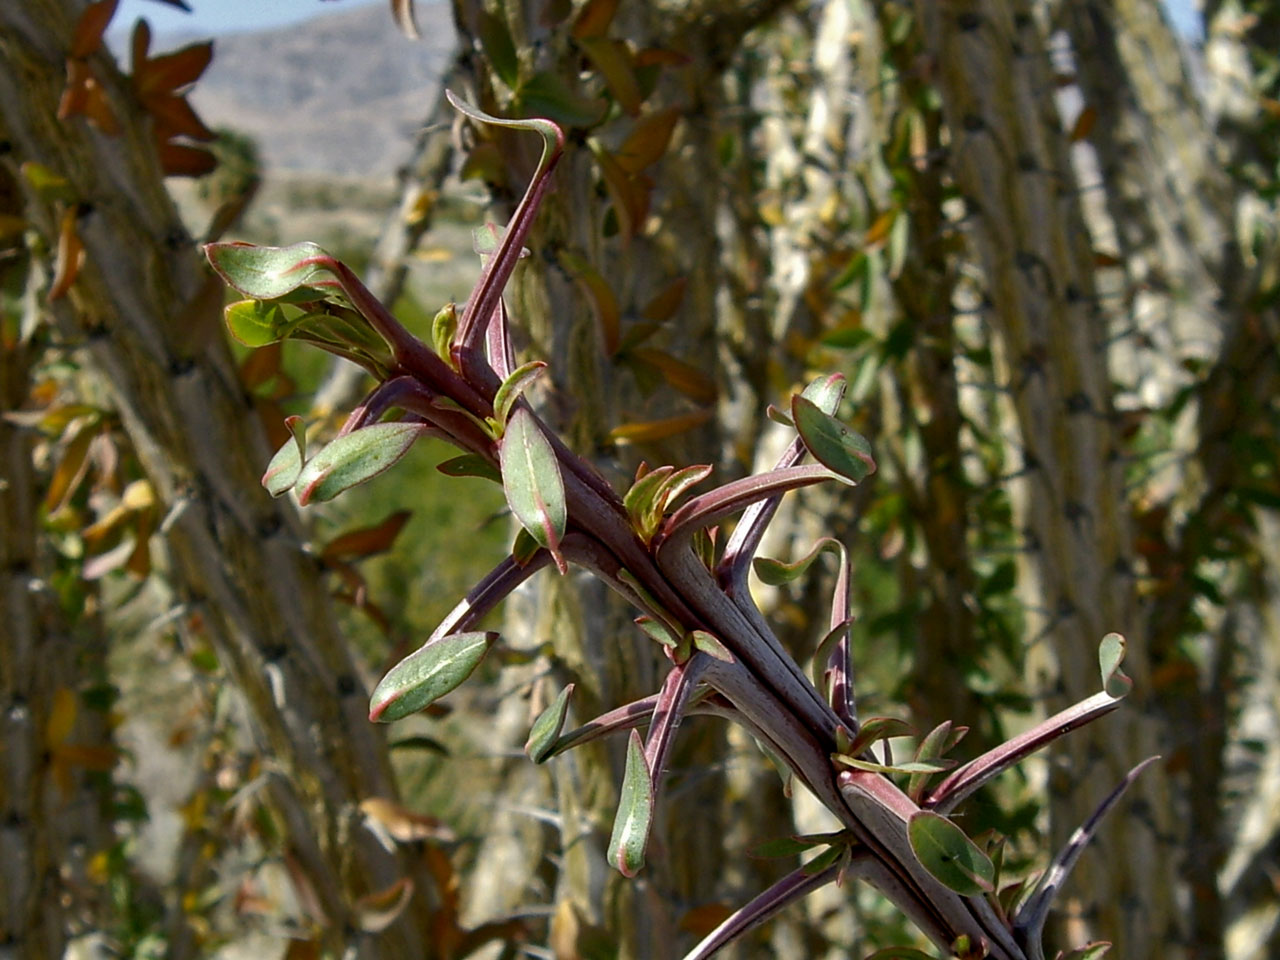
(212, 17)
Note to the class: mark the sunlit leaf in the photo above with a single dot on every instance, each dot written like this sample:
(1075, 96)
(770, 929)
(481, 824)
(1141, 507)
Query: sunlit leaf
(70, 256)
(353, 458)
(514, 387)
(428, 674)
(282, 471)
(375, 912)
(257, 324)
(776, 573)
(532, 482)
(949, 855)
(551, 135)
(171, 71)
(402, 824)
(834, 445)
(635, 812)
(1110, 656)
(266, 273)
(711, 646)
(87, 38)
(546, 729)
(650, 431)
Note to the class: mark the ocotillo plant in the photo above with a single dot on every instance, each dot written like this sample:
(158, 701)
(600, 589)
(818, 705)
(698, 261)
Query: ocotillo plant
(656, 546)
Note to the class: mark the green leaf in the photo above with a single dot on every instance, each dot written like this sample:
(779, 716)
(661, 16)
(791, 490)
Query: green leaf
(826, 392)
(547, 94)
(256, 324)
(546, 729)
(635, 812)
(932, 747)
(470, 465)
(877, 728)
(551, 136)
(265, 273)
(642, 502)
(532, 482)
(657, 630)
(524, 547)
(792, 846)
(824, 859)
(946, 852)
(1090, 951)
(428, 674)
(1110, 656)
(498, 48)
(282, 471)
(711, 646)
(911, 766)
(354, 458)
(832, 444)
(775, 573)
(443, 326)
(513, 387)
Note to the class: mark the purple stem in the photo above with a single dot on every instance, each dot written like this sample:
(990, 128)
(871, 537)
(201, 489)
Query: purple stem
(961, 783)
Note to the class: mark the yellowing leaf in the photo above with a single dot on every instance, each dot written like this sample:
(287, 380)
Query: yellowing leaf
(402, 824)
(649, 431)
(648, 140)
(878, 232)
(377, 911)
(70, 256)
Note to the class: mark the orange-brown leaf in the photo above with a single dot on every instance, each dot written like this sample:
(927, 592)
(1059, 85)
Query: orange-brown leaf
(174, 117)
(180, 160)
(594, 18)
(602, 298)
(649, 431)
(685, 377)
(261, 365)
(377, 911)
(401, 823)
(170, 72)
(657, 57)
(84, 96)
(648, 140)
(1084, 124)
(140, 45)
(878, 232)
(630, 194)
(366, 541)
(700, 921)
(92, 24)
(661, 308)
(612, 58)
(71, 468)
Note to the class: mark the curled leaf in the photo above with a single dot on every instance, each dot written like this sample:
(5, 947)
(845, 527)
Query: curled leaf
(284, 468)
(1110, 656)
(428, 674)
(265, 273)
(513, 387)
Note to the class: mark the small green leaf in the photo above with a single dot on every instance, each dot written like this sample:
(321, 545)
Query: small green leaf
(643, 502)
(775, 573)
(1090, 951)
(635, 812)
(823, 652)
(498, 48)
(825, 859)
(911, 766)
(256, 324)
(513, 387)
(524, 547)
(826, 393)
(354, 458)
(470, 465)
(443, 326)
(792, 846)
(931, 747)
(265, 273)
(428, 674)
(711, 646)
(546, 729)
(282, 471)
(532, 482)
(1110, 656)
(657, 630)
(878, 728)
(946, 852)
(832, 444)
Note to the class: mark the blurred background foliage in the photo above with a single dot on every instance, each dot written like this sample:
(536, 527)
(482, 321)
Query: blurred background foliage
(1038, 238)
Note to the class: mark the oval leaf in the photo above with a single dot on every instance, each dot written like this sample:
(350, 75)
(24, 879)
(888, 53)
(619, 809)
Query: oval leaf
(832, 444)
(532, 482)
(470, 465)
(427, 674)
(513, 387)
(947, 853)
(826, 392)
(282, 471)
(635, 812)
(354, 458)
(265, 273)
(546, 729)
(1110, 656)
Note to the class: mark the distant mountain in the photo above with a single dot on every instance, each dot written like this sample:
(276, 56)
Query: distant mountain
(342, 93)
